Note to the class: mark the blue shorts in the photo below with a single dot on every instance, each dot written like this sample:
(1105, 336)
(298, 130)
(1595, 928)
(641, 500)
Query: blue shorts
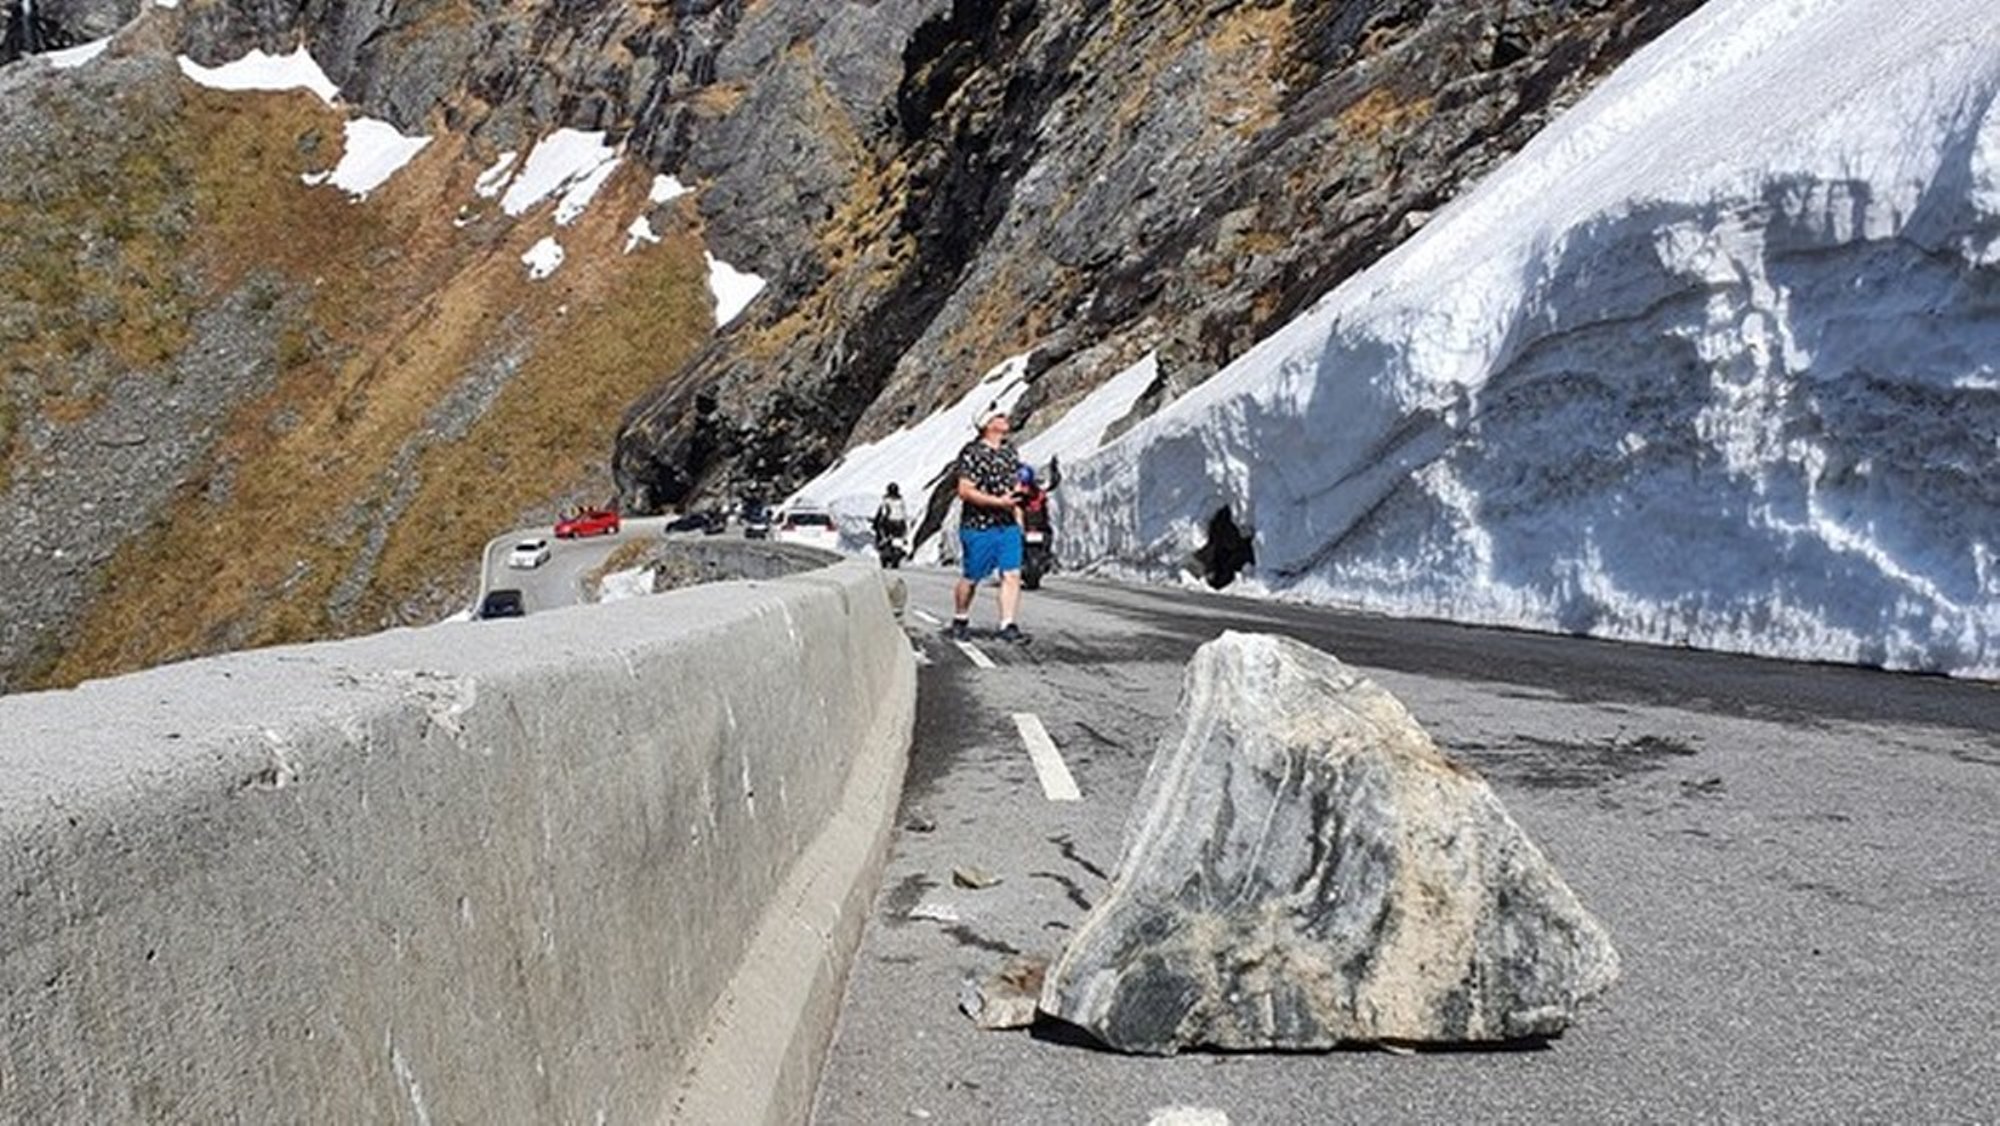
(986, 550)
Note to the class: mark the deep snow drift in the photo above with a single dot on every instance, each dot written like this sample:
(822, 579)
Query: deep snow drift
(1712, 361)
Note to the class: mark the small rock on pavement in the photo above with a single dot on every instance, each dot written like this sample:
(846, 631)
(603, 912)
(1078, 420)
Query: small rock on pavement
(966, 876)
(1303, 868)
(1007, 998)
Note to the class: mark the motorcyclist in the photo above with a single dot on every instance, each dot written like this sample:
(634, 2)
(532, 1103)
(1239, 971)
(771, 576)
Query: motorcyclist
(891, 524)
(1032, 496)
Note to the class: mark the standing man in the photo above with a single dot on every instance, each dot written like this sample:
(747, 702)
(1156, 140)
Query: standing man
(989, 524)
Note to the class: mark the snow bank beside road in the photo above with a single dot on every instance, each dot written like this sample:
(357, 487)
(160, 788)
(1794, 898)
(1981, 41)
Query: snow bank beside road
(1712, 362)
(912, 457)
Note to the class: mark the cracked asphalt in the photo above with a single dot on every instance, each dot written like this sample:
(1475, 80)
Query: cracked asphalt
(1800, 865)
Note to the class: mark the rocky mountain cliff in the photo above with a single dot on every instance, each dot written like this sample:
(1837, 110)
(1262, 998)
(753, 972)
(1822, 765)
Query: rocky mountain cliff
(1086, 182)
(238, 409)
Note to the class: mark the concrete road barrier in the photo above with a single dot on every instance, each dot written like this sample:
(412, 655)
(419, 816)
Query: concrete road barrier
(532, 870)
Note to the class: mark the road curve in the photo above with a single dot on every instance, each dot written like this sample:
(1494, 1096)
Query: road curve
(559, 582)
(1796, 861)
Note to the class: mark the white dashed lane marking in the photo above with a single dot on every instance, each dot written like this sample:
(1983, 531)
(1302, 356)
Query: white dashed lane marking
(1057, 785)
(979, 660)
(928, 618)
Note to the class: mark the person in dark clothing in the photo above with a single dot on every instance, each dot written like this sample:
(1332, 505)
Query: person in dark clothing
(989, 523)
(1038, 555)
(892, 519)
(891, 524)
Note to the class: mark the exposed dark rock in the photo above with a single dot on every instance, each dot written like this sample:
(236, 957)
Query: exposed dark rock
(1303, 868)
(1091, 182)
(29, 27)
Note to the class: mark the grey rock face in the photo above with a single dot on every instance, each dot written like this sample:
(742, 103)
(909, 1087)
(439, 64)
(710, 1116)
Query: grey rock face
(1177, 178)
(73, 488)
(1303, 867)
(29, 27)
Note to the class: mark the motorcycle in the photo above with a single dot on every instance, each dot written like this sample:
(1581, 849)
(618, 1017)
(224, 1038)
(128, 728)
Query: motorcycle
(1038, 547)
(890, 546)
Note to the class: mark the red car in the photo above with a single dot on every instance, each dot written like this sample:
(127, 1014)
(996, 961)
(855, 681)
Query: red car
(589, 522)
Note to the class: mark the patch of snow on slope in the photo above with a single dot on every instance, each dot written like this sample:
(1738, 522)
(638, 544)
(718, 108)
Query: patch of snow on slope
(733, 289)
(375, 151)
(666, 189)
(577, 199)
(69, 58)
(640, 233)
(543, 258)
(1710, 362)
(566, 160)
(259, 71)
(494, 179)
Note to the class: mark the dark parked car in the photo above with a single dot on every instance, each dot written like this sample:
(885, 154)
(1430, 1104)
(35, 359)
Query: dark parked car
(756, 522)
(718, 523)
(502, 604)
(690, 522)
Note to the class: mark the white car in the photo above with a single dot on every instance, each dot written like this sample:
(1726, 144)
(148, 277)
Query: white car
(808, 525)
(528, 554)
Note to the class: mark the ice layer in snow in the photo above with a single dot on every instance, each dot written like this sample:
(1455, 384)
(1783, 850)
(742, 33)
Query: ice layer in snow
(259, 71)
(733, 289)
(1710, 362)
(374, 151)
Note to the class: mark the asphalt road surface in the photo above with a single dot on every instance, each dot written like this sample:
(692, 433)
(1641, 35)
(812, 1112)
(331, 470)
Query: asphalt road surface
(559, 582)
(1800, 865)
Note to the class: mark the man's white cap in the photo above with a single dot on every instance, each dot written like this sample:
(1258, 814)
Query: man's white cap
(993, 410)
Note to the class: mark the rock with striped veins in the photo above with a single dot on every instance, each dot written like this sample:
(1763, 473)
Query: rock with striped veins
(1304, 868)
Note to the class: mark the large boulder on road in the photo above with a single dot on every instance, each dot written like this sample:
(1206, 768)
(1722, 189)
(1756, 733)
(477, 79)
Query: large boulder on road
(1304, 868)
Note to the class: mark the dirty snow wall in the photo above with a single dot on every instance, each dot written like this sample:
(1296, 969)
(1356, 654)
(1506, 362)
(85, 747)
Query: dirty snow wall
(1712, 361)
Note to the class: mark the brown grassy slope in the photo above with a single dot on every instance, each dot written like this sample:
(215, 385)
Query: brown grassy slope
(629, 320)
(343, 499)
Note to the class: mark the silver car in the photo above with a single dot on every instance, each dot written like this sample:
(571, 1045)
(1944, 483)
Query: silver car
(528, 554)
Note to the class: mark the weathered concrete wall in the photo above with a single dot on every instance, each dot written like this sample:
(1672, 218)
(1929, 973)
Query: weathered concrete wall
(481, 872)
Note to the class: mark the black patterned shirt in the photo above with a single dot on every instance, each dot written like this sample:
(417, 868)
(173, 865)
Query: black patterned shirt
(990, 471)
